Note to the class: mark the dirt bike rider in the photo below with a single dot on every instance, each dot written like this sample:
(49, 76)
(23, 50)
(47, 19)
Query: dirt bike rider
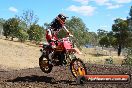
(51, 34)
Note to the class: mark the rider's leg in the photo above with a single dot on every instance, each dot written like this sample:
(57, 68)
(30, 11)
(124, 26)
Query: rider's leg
(51, 54)
(51, 43)
(63, 60)
(53, 46)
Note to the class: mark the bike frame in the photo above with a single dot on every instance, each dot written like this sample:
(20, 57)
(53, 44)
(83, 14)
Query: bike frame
(67, 45)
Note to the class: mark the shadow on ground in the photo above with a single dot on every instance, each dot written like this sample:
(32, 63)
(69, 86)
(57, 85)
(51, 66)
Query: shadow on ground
(98, 55)
(45, 79)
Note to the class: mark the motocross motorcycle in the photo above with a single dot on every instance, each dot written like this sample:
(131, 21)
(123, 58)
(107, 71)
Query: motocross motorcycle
(64, 55)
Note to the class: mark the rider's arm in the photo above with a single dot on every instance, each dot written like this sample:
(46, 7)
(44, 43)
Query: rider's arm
(66, 29)
(49, 33)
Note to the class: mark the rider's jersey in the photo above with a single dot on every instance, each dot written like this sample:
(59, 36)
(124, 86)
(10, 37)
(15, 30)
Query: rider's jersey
(55, 27)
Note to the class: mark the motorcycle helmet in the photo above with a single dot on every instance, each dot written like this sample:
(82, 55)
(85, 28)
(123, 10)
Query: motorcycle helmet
(62, 18)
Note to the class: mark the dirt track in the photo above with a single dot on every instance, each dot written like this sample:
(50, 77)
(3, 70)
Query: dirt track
(19, 69)
(60, 77)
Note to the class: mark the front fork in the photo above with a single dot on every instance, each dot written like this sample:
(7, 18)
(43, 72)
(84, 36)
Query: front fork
(69, 58)
(44, 53)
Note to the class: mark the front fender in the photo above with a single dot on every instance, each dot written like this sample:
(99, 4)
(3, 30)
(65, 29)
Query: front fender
(76, 50)
(43, 52)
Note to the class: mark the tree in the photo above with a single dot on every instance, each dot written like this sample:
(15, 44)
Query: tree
(22, 35)
(120, 29)
(104, 41)
(78, 29)
(103, 38)
(112, 40)
(130, 19)
(29, 18)
(36, 33)
(101, 33)
(2, 21)
(10, 27)
(92, 38)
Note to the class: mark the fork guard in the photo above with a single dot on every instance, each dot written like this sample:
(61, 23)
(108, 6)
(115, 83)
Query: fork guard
(76, 50)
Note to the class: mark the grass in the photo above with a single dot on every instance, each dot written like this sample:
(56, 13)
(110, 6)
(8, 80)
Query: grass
(99, 56)
(16, 51)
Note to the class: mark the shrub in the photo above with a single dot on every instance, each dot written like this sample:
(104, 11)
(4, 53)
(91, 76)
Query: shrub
(22, 35)
(128, 60)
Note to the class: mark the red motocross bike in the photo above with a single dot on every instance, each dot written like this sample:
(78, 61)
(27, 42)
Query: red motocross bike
(64, 54)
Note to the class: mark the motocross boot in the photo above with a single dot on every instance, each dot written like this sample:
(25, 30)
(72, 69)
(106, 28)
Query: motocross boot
(63, 61)
(51, 56)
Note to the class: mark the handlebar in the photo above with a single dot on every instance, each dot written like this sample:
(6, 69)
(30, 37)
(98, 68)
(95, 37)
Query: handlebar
(61, 40)
(67, 38)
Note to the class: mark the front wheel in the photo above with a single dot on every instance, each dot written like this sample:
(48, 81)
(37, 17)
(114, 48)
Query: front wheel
(77, 68)
(44, 64)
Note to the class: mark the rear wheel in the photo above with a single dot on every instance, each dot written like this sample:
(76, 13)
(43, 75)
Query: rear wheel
(77, 68)
(44, 64)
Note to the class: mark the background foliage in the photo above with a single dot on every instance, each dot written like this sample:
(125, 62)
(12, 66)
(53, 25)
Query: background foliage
(25, 27)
